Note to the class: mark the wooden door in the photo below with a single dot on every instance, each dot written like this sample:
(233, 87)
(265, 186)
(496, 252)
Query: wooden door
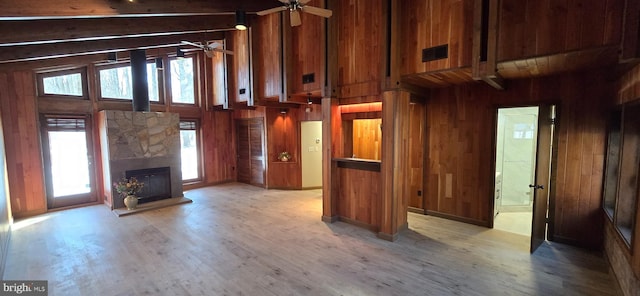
(243, 162)
(256, 144)
(542, 177)
(250, 151)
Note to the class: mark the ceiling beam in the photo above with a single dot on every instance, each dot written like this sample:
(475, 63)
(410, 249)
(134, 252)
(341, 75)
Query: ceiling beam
(54, 31)
(25, 53)
(32, 9)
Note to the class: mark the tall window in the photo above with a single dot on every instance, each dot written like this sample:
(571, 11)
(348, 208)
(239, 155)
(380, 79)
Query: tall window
(115, 83)
(69, 83)
(189, 143)
(182, 81)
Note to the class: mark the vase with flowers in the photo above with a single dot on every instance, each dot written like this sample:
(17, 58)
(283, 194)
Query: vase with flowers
(284, 156)
(128, 188)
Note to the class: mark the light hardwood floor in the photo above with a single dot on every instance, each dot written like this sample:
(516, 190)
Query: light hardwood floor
(236, 239)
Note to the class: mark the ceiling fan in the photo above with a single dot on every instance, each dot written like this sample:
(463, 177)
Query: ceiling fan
(209, 47)
(294, 7)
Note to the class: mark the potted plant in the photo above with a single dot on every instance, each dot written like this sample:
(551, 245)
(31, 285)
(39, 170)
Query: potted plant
(284, 156)
(128, 188)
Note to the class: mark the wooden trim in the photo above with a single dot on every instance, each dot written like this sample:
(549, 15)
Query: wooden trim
(416, 210)
(357, 164)
(358, 223)
(456, 218)
(330, 219)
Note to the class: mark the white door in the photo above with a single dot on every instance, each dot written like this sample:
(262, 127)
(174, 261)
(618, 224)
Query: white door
(311, 146)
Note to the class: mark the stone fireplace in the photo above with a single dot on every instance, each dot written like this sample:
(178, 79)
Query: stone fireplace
(141, 144)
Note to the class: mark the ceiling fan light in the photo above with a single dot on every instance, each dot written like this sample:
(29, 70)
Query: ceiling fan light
(241, 20)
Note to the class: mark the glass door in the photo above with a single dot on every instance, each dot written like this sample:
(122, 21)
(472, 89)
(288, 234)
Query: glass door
(68, 156)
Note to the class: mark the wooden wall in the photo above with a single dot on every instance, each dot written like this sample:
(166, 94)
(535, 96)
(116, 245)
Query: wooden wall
(239, 67)
(22, 140)
(358, 196)
(417, 119)
(529, 28)
(219, 147)
(367, 138)
(361, 60)
(267, 56)
(6, 218)
(431, 23)
(460, 130)
(283, 134)
(307, 53)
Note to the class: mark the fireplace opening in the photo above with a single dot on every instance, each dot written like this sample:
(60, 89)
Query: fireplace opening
(157, 183)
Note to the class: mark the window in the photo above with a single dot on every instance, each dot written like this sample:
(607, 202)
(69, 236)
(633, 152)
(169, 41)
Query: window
(69, 83)
(189, 145)
(182, 81)
(115, 83)
(622, 170)
(613, 163)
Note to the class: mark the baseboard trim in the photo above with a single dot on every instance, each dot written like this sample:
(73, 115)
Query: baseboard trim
(457, 218)
(329, 219)
(416, 210)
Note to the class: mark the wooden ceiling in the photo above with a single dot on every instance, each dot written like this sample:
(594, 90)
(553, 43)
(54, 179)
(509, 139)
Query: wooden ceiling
(42, 30)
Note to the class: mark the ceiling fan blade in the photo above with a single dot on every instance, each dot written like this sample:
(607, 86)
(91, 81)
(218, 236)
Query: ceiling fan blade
(271, 10)
(225, 51)
(285, 1)
(209, 52)
(303, 2)
(295, 18)
(193, 44)
(317, 11)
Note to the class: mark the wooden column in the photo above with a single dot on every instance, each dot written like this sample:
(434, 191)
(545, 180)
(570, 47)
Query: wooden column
(395, 166)
(331, 146)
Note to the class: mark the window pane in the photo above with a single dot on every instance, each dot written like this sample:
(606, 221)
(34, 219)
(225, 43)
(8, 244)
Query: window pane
(68, 85)
(189, 150)
(115, 83)
(69, 164)
(628, 186)
(182, 81)
(152, 81)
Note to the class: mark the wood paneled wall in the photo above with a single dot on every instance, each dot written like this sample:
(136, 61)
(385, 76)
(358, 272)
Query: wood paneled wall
(218, 147)
(267, 56)
(283, 134)
(417, 120)
(629, 86)
(361, 60)
(460, 130)
(307, 53)
(358, 196)
(431, 23)
(541, 27)
(22, 140)
(239, 68)
(367, 138)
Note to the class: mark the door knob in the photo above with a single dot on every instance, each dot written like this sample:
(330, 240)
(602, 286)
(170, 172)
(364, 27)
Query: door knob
(536, 186)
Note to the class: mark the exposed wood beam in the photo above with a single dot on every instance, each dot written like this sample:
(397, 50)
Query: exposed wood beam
(30, 9)
(59, 50)
(55, 31)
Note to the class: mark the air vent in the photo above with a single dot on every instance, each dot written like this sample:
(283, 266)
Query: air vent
(308, 78)
(435, 53)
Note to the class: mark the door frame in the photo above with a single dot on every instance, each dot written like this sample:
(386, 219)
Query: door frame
(553, 164)
(71, 200)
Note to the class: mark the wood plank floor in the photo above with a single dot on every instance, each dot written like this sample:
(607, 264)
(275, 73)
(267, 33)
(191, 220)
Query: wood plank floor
(236, 239)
